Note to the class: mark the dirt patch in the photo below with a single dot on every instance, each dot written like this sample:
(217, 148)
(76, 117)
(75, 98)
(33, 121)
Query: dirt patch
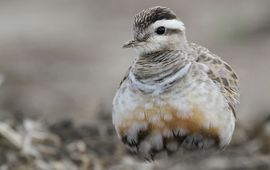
(31, 144)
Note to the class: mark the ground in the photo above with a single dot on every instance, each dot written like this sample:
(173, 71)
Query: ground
(27, 144)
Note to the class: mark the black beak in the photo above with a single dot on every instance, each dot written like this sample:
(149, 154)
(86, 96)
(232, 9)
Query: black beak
(130, 44)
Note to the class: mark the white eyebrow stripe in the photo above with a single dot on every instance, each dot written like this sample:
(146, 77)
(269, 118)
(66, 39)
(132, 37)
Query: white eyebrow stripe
(171, 24)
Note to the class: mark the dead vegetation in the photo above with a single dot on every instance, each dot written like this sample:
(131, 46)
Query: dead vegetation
(27, 144)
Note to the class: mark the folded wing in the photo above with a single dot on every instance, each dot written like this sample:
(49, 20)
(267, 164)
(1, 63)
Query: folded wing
(221, 73)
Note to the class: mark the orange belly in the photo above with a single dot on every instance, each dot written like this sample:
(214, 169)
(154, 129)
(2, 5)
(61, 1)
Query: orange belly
(167, 118)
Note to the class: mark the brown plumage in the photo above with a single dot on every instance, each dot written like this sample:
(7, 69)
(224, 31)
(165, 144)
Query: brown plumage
(221, 73)
(175, 94)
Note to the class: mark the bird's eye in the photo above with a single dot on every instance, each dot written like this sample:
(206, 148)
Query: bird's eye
(160, 30)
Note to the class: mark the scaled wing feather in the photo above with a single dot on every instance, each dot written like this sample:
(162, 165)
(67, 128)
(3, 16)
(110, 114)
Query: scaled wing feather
(220, 73)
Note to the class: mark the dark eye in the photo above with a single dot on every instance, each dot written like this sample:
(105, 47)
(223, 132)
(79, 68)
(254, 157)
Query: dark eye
(160, 30)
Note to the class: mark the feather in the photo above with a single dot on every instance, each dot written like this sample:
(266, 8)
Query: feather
(221, 74)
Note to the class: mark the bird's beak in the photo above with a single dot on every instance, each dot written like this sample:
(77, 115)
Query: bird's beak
(131, 44)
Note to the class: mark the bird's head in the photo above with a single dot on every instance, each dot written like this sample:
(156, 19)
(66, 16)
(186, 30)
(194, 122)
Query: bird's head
(157, 29)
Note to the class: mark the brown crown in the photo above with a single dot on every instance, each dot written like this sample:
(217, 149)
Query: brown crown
(151, 15)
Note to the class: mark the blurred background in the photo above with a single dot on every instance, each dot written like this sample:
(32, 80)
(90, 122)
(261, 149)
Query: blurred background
(62, 59)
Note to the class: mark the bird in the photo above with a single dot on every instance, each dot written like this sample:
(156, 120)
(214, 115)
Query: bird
(176, 95)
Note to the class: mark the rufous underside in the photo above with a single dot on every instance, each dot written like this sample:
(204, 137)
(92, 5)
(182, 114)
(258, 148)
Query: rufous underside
(161, 119)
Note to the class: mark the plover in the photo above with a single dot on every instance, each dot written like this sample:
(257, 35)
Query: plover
(176, 94)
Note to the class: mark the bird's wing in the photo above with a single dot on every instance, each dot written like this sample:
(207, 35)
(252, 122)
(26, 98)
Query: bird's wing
(221, 73)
